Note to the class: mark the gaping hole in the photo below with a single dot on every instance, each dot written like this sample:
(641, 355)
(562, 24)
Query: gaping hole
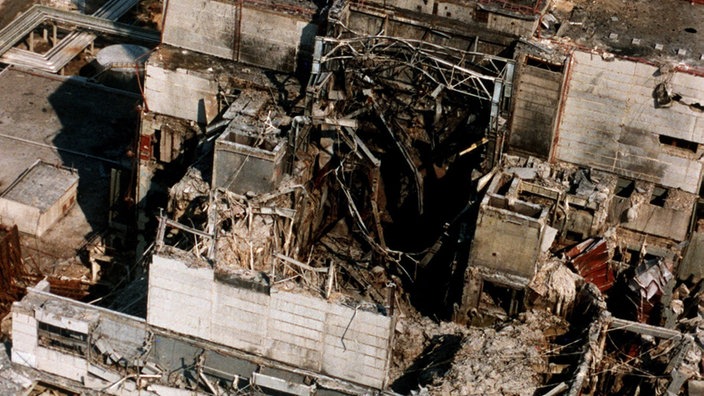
(690, 30)
(624, 188)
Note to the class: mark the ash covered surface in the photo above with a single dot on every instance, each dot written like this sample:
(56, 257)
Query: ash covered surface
(634, 28)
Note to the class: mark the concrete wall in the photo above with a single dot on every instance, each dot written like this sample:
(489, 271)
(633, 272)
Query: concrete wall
(458, 11)
(180, 297)
(425, 7)
(275, 40)
(181, 93)
(57, 210)
(652, 219)
(24, 216)
(511, 25)
(536, 99)
(240, 167)
(434, 29)
(510, 233)
(691, 264)
(24, 338)
(61, 363)
(609, 122)
(27, 351)
(257, 35)
(201, 25)
(102, 342)
(506, 241)
(292, 328)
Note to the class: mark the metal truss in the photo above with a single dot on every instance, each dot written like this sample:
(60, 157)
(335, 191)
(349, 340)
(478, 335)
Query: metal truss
(469, 73)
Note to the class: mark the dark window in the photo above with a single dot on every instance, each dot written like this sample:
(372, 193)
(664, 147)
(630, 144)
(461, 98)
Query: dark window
(659, 196)
(482, 16)
(624, 187)
(679, 143)
(62, 339)
(530, 61)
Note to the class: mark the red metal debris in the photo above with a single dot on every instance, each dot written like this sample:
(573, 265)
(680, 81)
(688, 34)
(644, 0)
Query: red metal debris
(145, 147)
(591, 260)
(14, 277)
(11, 268)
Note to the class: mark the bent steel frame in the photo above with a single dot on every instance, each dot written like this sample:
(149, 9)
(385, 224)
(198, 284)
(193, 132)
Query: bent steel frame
(469, 73)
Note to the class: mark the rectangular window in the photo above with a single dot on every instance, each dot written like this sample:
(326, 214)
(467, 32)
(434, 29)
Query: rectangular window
(624, 188)
(66, 340)
(530, 61)
(679, 143)
(659, 197)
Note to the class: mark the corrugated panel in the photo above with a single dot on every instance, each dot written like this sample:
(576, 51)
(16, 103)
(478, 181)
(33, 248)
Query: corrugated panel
(591, 260)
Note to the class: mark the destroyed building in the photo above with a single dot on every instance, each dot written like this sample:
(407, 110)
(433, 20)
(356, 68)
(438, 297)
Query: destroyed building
(352, 197)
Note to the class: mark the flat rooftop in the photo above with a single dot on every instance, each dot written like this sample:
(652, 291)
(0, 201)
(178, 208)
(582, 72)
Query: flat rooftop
(72, 124)
(668, 31)
(41, 186)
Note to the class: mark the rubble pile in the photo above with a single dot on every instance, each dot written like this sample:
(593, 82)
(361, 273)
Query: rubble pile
(555, 287)
(507, 359)
(253, 229)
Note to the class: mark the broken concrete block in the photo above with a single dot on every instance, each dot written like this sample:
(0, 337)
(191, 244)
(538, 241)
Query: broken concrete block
(104, 374)
(524, 173)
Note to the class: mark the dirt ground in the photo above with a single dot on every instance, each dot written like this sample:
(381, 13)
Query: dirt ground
(9, 9)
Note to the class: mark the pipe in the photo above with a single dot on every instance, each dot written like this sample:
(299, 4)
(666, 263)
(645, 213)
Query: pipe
(69, 151)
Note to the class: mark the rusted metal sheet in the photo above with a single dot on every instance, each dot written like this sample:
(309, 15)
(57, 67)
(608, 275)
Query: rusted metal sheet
(71, 288)
(11, 268)
(145, 147)
(591, 260)
(15, 278)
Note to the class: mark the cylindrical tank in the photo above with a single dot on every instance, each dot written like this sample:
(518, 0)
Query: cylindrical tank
(120, 65)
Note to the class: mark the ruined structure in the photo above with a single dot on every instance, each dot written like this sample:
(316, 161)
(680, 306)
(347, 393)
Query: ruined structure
(347, 197)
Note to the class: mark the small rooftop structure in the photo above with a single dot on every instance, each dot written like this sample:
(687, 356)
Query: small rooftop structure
(122, 57)
(249, 155)
(39, 197)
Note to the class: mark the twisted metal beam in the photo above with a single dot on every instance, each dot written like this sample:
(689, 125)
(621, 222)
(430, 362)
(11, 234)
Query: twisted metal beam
(469, 73)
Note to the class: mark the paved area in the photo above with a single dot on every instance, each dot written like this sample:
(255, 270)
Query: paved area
(71, 124)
